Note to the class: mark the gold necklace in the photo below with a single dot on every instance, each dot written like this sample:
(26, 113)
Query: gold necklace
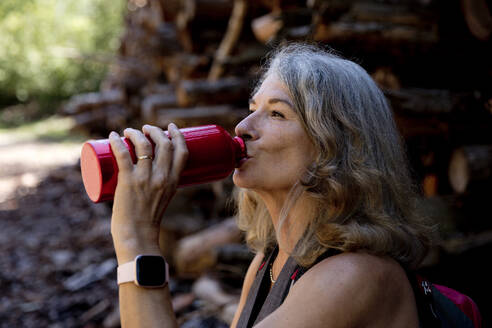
(271, 274)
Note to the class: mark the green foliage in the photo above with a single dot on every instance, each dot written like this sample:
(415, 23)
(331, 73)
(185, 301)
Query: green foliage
(51, 49)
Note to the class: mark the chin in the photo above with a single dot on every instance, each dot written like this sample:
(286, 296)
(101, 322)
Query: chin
(241, 180)
(237, 179)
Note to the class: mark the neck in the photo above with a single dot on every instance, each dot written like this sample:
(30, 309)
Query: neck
(295, 221)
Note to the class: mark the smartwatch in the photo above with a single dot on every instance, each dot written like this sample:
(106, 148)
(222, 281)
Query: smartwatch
(149, 271)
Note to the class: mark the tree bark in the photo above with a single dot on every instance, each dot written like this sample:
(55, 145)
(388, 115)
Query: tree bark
(429, 101)
(210, 290)
(374, 32)
(154, 102)
(230, 38)
(196, 253)
(230, 90)
(87, 101)
(223, 115)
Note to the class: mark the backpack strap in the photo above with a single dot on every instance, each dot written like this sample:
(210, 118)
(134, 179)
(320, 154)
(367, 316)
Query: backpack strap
(423, 298)
(437, 307)
(462, 302)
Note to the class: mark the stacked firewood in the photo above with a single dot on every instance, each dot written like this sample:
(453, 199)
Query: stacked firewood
(195, 62)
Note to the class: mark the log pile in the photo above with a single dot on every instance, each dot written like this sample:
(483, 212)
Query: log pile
(195, 62)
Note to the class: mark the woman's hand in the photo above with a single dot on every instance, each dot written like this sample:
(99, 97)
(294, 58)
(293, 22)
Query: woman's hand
(144, 189)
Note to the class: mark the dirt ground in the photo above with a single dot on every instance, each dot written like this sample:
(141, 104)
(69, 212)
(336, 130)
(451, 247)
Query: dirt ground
(56, 260)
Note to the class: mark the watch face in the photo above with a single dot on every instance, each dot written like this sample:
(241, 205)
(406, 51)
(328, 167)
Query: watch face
(151, 271)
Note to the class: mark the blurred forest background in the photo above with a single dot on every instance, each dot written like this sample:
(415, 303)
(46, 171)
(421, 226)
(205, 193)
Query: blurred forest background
(51, 50)
(75, 70)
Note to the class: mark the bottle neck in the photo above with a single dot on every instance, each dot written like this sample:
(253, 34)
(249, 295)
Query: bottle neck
(239, 148)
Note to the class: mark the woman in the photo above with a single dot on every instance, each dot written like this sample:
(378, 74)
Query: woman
(325, 200)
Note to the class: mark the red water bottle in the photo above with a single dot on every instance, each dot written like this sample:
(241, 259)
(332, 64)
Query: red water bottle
(213, 154)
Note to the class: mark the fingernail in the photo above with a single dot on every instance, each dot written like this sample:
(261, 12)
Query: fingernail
(173, 126)
(113, 134)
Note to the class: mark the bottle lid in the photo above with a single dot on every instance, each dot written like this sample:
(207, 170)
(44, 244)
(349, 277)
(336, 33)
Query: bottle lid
(99, 170)
(91, 172)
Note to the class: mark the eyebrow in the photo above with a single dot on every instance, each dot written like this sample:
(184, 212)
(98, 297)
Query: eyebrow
(273, 101)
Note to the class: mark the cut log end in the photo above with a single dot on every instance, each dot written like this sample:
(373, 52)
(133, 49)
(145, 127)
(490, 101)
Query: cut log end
(478, 17)
(470, 165)
(458, 171)
(266, 27)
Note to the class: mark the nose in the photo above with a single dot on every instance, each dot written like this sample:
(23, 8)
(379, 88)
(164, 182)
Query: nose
(245, 129)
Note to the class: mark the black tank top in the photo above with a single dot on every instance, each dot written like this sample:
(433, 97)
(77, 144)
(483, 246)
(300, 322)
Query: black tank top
(261, 299)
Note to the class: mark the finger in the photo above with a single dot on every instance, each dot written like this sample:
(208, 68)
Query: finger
(163, 148)
(121, 153)
(143, 147)
(180, 155)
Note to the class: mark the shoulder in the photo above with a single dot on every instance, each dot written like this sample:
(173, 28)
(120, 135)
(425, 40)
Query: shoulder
(248, 282)
(349, 290)
(354, 269)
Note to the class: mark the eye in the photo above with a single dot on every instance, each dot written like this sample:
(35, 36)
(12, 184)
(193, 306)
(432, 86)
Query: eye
(277, 114)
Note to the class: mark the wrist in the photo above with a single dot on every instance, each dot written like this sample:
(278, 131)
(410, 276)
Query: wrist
(139, 233)
(127, 250)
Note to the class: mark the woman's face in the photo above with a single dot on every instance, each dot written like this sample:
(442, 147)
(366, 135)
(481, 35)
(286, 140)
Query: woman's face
(278, 148)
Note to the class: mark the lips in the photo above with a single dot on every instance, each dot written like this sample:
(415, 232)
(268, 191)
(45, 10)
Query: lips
(244, 159)
(241, 162)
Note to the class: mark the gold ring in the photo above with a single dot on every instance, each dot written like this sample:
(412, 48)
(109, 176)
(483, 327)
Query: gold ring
(145, 157)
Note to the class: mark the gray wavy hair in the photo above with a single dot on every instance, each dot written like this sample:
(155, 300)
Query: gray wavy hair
(359, 180)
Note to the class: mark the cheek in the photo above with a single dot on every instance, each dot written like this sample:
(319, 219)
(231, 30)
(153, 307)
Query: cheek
(293, 146)
(287, 161)
(279, 141)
